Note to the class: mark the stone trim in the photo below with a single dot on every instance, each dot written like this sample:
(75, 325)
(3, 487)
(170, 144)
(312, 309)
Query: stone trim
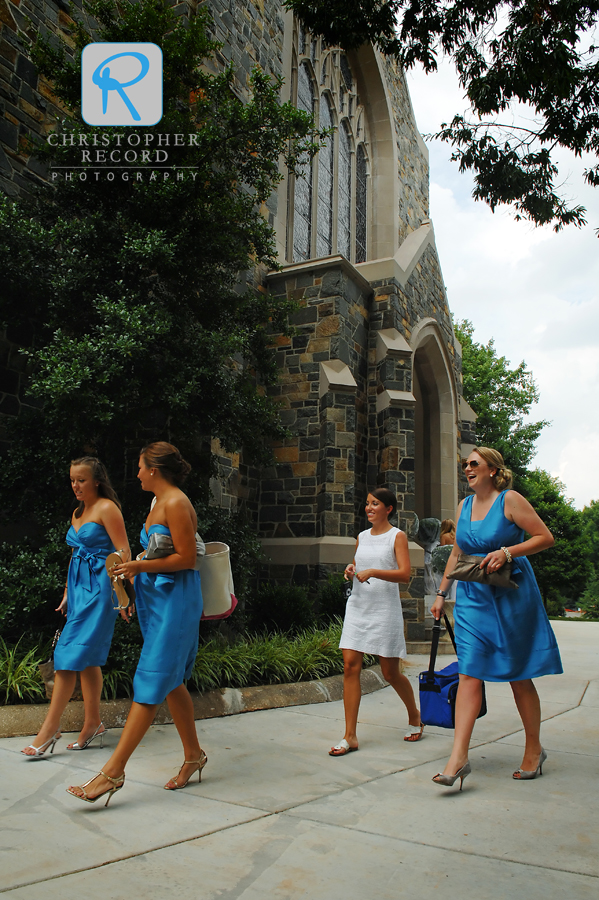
(322, 551)
(401, 265)
(315, 267)
(336, 376)
(389, 342)
(467, 414)
(394, 399)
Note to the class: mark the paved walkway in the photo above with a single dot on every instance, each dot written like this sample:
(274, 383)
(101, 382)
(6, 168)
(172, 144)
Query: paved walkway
(276, 817)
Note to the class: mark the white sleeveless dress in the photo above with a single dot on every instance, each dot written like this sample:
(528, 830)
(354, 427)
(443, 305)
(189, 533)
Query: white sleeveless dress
(373, 618)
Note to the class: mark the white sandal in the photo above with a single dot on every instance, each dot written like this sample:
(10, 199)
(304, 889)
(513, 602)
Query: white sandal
(414, 734)
(342, 749)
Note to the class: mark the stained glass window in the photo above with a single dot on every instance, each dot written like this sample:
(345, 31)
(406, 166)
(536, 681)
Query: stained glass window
(302, 213)
(324, 222)
(336, 220)
(344, 194)
(361, 208)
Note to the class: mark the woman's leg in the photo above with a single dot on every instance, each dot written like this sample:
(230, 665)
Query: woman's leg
(180, 706)
(467, 707)
(64, 685)
(352, 693)
(401, 685)
(529, 707)
(91, 688)
(141, 716)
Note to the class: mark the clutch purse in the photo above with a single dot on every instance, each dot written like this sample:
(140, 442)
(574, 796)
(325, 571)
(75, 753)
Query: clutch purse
(468, 568)
(161, 545)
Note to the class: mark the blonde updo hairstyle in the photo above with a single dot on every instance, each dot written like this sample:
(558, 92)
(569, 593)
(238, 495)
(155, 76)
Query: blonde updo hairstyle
(167, 459)
(502, 479)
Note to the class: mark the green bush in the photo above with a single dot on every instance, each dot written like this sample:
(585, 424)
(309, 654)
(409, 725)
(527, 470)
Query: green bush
(32, 581)
(286, 608)
(555, 604)
(270, 659)
(330, 601)
(589, 602)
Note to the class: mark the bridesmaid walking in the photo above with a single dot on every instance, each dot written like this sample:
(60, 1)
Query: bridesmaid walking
(97, 529)
(501, 634)
(169, 605)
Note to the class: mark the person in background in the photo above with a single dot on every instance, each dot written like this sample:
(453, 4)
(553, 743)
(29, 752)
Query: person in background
(447, 532)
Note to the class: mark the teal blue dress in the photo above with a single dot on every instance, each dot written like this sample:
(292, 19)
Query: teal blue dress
(501, 635)
(85, 639)
(169, 607)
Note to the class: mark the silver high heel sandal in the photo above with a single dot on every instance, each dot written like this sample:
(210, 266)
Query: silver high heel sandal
(39, 751)
(522, 775)
(448, 780)
(85, 744)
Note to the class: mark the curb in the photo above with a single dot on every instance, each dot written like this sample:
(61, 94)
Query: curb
(27, 719)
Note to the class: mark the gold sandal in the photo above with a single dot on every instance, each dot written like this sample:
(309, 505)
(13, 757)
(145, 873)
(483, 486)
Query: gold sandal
(199, 763)
(117, 784)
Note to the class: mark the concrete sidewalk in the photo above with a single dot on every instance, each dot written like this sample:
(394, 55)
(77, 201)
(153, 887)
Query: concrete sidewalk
(276, 817)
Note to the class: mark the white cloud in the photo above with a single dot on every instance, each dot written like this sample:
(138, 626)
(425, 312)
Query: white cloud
(535, 292)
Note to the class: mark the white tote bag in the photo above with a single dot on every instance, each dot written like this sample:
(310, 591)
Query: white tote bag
(218, 592)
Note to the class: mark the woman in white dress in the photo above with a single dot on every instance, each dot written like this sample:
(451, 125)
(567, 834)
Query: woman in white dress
(373, 619)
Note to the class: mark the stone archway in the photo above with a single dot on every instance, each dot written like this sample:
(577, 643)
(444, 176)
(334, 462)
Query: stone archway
(435, 424)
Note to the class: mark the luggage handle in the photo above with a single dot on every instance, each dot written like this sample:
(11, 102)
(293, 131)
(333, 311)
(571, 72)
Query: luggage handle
(435, 644)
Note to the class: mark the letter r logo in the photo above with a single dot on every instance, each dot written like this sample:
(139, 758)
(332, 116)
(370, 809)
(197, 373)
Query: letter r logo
(121, 84)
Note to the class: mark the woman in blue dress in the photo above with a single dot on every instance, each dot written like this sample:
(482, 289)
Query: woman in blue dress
(97, 529)
(501, 634)
(169, 605)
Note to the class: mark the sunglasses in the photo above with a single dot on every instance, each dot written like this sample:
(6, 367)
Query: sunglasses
(474, 464)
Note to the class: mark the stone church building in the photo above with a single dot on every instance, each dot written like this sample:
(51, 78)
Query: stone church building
(370, 385)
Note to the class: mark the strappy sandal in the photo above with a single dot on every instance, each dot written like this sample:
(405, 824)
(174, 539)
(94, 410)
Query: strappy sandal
(198, 763)
(342, 749)
(117, 582)
(414, 734)
(116, 783)
(39, 751)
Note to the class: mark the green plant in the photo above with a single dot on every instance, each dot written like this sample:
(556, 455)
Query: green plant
(270, 659)
(279, 608)
(20, 679)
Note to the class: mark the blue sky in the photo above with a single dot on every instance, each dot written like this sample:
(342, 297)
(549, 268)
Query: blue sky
(535, 292)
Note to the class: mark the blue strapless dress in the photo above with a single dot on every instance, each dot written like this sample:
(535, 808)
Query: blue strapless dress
(86, 637)
(501, 635)
(169, 607)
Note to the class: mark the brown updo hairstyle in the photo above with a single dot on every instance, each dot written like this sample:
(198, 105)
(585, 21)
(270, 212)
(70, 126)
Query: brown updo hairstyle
(502, 479)
(447, 527)
(99, 474)
(168, 460)
(386, 497)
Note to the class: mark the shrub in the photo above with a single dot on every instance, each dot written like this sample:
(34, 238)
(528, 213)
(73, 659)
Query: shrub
(32, 581)
(330, 601)
(284, 608)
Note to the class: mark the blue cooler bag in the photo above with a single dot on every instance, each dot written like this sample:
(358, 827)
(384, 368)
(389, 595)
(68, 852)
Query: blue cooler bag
(438, 689)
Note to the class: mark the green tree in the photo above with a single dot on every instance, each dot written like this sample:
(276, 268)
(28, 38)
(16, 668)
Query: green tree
(563, 572)
(590, 518)
(127, 293)
(501, 397)
(506, 52)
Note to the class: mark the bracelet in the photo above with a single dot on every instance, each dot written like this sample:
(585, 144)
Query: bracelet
(442, 594)
(508, 555)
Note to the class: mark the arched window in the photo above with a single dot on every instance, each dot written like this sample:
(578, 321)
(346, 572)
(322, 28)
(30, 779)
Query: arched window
(344, 193)
(324, 223)
(302, 207)
(361, 197)
(335, 220)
